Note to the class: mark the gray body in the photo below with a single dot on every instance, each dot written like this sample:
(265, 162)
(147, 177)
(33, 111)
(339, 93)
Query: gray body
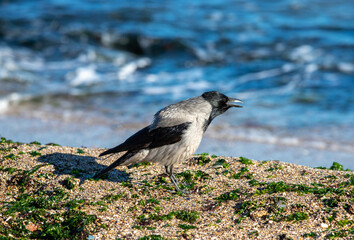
(170, 116)
(174, 135)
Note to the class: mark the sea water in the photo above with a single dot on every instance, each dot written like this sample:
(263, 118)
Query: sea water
(92, 73)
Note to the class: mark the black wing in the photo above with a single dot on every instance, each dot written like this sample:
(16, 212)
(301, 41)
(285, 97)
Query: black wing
(151, 139)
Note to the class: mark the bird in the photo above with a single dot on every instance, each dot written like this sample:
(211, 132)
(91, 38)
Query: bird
(174, 134)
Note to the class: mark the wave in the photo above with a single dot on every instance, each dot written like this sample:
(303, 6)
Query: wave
(11, 99)
(311, 138)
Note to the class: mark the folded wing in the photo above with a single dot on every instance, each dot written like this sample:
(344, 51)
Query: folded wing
(148, 138)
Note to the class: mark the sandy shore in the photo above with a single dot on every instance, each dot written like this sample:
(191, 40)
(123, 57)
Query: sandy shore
(45, 190)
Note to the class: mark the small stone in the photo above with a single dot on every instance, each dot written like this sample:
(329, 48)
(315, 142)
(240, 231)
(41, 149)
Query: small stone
(324, 225)
(31, 227)
(258, 214)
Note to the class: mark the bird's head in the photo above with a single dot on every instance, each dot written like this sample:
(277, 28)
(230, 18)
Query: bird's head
(220, 102)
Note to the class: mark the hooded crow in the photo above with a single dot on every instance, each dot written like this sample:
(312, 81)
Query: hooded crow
(174, 135)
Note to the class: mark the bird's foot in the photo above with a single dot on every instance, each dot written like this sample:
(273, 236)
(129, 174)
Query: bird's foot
(176, 183)
(179, 191)
(184, 192)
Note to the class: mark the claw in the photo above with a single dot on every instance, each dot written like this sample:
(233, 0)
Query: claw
(174, 180)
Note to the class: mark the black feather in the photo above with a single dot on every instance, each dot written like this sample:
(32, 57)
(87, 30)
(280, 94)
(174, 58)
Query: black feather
(118, 162)
(145, 139)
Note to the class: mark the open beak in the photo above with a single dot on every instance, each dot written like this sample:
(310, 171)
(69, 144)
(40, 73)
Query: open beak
(233, 102)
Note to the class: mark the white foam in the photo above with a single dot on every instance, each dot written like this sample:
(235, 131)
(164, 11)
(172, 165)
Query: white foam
(305, 53)
(311, 68)
(286, 68)
(151, 78)
(177, 92)
(252, 94)
(12, 98)
(346, 67)
(19, 64)
(83, 76)
(190, 75)
(191, 80)
(127, 70)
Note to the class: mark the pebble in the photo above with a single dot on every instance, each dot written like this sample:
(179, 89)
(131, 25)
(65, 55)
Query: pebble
(324, 225)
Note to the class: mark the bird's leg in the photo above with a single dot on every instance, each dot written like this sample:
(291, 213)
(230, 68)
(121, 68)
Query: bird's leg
(174, 180)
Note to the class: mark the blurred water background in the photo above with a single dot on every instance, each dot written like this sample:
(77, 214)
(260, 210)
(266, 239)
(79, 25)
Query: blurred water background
(91, 73)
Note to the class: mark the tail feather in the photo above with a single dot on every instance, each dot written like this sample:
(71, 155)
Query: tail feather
(116, 163)
(111, 150)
